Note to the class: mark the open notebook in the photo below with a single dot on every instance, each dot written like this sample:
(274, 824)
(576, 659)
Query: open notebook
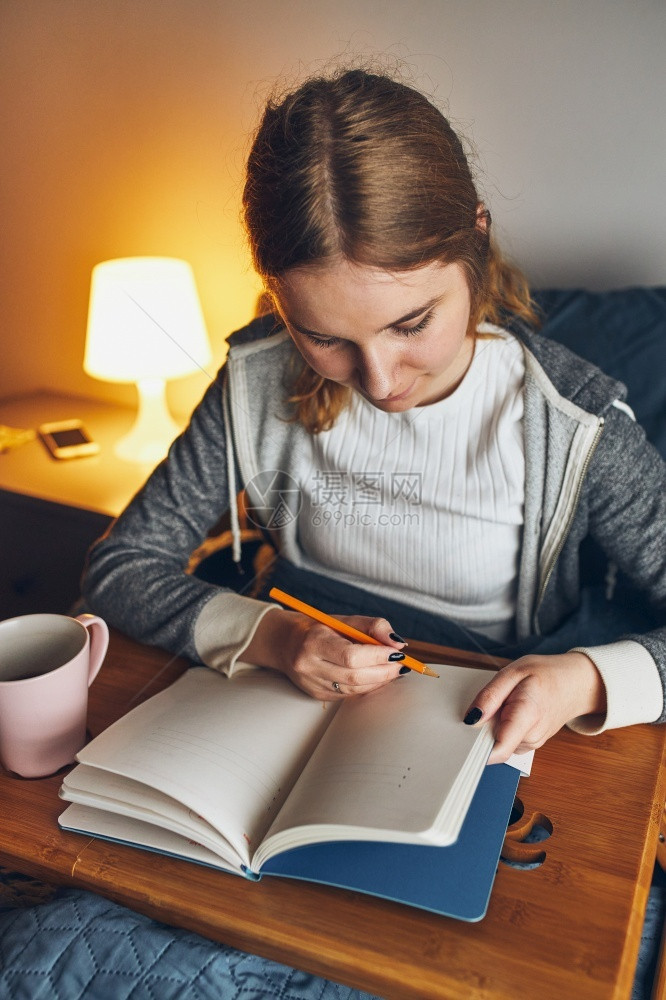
(252, 776)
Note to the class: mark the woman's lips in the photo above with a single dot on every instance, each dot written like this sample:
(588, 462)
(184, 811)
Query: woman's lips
(398, 396)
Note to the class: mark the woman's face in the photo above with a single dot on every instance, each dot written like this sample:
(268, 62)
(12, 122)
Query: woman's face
(400, 339)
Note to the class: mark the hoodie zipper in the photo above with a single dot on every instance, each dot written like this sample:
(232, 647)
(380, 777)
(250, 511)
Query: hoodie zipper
(574, 507)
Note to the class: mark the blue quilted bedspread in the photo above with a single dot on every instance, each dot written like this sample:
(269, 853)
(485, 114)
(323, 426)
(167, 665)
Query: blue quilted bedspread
(82, 946)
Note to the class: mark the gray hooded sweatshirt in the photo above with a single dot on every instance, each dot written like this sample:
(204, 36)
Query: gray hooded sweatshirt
(588, 471)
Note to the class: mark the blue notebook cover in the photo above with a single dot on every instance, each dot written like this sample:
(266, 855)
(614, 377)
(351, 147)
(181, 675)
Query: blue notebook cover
(454, 881)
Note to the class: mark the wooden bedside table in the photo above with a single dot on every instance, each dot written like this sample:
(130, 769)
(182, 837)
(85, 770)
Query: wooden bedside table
(52, 510)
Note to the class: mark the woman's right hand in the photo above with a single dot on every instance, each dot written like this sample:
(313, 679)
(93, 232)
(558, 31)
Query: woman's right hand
(315, 658)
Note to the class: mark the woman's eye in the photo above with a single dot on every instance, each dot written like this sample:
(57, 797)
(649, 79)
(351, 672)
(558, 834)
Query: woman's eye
(320, 342)
(408, 331)
(405, 331)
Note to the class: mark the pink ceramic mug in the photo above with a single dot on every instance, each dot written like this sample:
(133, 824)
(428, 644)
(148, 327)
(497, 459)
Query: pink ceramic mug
(47, 663)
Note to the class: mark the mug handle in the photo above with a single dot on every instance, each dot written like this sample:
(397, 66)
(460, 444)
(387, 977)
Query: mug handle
(99, 642)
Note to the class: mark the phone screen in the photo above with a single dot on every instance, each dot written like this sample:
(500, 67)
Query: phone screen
(65, 439)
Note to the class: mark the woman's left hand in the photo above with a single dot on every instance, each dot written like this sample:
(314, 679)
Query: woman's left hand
(532, 698)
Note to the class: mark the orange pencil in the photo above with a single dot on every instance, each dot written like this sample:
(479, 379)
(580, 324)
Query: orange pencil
(343, 628)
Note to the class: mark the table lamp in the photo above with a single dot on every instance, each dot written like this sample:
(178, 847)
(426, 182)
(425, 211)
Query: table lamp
(145, 325)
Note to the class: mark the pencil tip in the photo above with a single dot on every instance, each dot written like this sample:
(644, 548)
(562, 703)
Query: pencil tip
(430, 673)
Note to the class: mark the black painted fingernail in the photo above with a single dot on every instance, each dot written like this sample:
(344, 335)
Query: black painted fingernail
(396, 637)
(472, 716)
(404, 670)
(396, 656)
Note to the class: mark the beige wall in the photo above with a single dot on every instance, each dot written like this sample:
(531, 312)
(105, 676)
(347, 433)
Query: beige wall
(124, 138)
(124, 125)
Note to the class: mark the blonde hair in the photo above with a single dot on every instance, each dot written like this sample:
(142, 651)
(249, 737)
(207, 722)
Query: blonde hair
(361, 167)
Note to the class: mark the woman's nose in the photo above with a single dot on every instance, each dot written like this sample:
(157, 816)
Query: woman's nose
(376, 375)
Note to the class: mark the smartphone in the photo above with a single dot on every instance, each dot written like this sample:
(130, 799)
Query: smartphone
(67, 439)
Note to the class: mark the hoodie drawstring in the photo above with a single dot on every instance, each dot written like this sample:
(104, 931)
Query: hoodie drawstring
(231, 478)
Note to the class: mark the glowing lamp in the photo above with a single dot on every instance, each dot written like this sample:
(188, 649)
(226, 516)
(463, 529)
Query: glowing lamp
(145, 326)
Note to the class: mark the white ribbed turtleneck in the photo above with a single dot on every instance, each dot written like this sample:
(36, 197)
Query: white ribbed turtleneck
(428, 504)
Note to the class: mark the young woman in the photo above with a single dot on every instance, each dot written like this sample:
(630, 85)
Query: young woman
(425, 464)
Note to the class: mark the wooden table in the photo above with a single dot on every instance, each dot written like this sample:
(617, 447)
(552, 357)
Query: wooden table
(570, 928)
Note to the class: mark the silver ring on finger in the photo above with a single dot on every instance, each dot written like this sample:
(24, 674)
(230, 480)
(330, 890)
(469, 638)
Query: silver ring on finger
(336, 687)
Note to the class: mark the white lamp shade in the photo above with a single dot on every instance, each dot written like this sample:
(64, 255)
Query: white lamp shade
(144, 321)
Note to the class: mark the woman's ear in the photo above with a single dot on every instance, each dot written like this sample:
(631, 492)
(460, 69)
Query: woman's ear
(483, 219)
